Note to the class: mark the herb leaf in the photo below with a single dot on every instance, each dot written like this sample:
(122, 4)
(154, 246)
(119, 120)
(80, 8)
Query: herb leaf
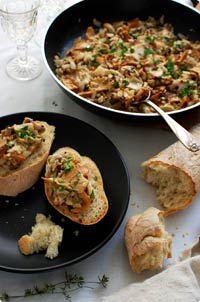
(67, 166)
(24, 132)
(148, 51)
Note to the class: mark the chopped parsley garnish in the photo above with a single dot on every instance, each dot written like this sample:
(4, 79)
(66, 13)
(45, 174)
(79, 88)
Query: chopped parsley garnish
(171, 70)
(95, 178)
(155, 61)
(61, 188)
(92, 196)
(94, 62)
(184, 67)
(125, 83)
(187, 90)
(107, 41)
(168, 41)
(103, 51)
(133, 35)
(150, 38)
(9, 144)
(67, 166)
(170, 66)
(116, 84)
(113, 48)
(25, 133)
(179, 45)
(148, 51)
(123, 50)
(89, 48)
(77, 179)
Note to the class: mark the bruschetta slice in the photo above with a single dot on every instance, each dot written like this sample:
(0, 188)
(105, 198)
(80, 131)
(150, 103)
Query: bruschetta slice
(24, 149)
(74, 186)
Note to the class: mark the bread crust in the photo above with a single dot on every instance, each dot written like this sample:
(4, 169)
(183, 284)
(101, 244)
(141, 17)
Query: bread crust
(176, 157)
(144, 233)
(26, 175)
(99, 206)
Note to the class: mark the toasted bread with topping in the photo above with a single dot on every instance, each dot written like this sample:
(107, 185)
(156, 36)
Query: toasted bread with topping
(74, 186)
(24, 150)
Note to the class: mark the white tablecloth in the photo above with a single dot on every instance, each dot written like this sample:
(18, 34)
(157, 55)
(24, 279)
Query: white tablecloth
(135, 144)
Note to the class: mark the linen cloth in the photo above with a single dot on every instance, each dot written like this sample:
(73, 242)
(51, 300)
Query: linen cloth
(178, 283)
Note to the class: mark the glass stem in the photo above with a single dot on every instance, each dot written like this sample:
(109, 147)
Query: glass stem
(22, 54)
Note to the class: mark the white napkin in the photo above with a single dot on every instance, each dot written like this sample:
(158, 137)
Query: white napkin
(178, 283)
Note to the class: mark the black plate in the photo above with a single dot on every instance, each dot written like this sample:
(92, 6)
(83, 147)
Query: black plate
(17, 215)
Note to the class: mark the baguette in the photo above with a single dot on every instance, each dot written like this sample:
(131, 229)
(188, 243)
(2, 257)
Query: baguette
(175, 173)
(74, 186)
(24, 149)
(147, 242)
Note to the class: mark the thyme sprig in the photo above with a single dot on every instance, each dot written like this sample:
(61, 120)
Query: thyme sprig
(71, 283)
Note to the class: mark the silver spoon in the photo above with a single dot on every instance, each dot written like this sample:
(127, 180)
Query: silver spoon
(185, 137)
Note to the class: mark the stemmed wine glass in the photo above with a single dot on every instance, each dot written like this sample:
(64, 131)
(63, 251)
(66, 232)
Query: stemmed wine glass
(19, 19)
(49, 9)
(52, 7)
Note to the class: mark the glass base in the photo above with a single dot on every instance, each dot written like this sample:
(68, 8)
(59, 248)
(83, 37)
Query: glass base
(24, 72)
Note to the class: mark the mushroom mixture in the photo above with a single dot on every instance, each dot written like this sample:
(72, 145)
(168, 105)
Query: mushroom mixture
(18, 142)
(117, 64)
(69, 183)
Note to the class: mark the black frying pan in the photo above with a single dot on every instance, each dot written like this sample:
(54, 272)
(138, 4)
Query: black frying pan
(73, 22)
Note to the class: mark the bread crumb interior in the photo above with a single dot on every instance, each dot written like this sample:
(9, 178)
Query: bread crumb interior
(174, 188)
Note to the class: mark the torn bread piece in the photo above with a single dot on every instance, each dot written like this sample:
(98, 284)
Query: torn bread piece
(74, 186)
(24, 149)
(175, 173)
(45, 235)
(147, 242)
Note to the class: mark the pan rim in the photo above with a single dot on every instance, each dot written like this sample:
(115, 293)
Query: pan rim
(101, 107)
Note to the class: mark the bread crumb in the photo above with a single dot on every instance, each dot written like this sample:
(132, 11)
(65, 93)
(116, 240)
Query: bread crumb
(76, 233)
(46, 235)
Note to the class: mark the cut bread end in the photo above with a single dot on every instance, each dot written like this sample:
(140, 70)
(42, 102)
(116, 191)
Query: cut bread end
(148, 243)
(175, 189)
(159, 250)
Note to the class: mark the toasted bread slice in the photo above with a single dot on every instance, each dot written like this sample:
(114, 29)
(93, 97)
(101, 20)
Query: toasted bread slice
(75, 187)
(22, 167)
